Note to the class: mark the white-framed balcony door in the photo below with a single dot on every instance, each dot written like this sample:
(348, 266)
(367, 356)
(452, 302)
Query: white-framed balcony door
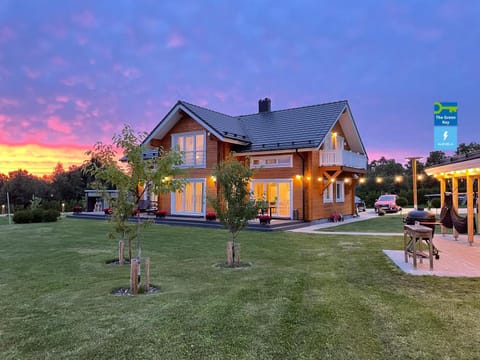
(278, 194)
(192, 200)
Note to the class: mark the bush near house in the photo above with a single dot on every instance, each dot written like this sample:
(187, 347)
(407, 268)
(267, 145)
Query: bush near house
(35, 216)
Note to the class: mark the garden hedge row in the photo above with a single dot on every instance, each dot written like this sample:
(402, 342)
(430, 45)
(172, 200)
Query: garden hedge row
(35, 216)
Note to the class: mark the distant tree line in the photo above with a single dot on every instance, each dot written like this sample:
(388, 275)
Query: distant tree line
(68, 186)
(62, 187)
(387, 176)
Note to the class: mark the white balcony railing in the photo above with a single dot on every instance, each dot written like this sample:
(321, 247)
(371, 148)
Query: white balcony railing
(343, 158)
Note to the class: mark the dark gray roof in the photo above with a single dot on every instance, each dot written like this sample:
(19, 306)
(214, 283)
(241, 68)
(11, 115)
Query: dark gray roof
(301, 127)
(228, 126)
(295, 128)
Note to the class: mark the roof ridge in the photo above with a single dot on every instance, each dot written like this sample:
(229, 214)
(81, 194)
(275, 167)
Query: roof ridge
(294, 108)
(203, 107)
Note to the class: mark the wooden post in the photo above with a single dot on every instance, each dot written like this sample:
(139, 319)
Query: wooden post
(443, 188)
(237, 254)
(470, 217)
(134, 276)
(230, 253)
(455, 201)
(147, 274)
(121, 255)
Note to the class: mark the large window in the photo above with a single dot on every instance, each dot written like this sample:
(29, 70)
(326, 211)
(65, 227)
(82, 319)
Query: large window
(328, 193)
(340, 191)
(271, 161)
(193, 147)
(277, 194)
(191, 200)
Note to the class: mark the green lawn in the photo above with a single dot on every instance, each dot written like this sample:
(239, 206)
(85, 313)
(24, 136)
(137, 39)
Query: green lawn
(389, 223)
(306, 296)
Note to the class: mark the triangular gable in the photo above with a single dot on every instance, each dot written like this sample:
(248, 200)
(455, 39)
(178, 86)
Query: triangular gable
(215, 123)
(350, 131)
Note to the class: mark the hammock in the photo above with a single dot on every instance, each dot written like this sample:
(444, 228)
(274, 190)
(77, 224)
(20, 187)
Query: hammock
(449, 217)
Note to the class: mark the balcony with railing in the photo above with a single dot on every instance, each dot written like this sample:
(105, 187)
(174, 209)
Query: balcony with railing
(343, 158)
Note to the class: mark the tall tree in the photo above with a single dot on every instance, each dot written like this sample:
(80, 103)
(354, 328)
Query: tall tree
(234, 204)
(161, 174)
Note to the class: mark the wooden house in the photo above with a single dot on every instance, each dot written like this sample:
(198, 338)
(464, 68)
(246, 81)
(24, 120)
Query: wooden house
(307, 159)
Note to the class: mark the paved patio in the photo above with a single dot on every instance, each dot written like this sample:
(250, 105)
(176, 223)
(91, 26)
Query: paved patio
(457, 258)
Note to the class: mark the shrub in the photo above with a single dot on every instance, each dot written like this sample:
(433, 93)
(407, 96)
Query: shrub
(23, 217)
(37, 215)
(401, 201)
(51, 215)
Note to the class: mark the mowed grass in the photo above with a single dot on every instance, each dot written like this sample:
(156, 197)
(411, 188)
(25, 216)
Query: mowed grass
(306, 296)
(390, 223)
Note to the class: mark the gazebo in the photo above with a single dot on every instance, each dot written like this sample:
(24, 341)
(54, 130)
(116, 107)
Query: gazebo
(452, 170)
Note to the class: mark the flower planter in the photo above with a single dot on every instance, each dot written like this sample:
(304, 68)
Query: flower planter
(264, 219)
(211, 216)
(160, 214)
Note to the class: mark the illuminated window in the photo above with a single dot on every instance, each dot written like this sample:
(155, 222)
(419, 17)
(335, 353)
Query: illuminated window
(271, 161)
(192, 145)
(328, 193)
(339, 191)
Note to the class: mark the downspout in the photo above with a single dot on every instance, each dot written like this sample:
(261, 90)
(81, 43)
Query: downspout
(303, 179)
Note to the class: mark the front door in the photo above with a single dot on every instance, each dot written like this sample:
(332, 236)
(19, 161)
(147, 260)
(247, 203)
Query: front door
(277, 193)
(191, 200)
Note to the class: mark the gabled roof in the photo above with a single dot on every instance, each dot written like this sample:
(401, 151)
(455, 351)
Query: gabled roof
(297, 128)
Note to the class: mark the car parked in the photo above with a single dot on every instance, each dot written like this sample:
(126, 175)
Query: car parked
(360, 204)
(387, 203)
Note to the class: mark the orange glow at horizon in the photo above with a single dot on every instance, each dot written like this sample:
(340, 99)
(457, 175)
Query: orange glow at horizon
(39, 160)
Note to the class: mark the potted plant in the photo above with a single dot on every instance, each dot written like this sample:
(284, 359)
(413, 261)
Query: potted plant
(160, 213)
(264, 219)
(77, 209)
(211, 216)
(108, 211)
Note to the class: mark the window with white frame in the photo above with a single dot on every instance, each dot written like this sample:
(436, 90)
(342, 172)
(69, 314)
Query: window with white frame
(271, 161)
(192, 145)
(339, 191)
(328, 193)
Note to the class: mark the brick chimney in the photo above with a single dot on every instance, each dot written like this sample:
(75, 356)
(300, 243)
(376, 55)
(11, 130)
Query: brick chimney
(264, 105)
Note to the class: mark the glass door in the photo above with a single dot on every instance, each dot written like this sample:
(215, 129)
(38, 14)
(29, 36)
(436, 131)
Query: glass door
(277, 194)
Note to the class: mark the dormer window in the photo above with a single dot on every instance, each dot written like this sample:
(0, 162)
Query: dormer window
(192, 145)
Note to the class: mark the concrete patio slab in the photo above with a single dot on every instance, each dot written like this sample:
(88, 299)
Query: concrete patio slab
(457, 258)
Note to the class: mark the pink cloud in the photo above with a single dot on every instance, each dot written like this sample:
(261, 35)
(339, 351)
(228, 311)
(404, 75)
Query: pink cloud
(8, 102)
(82, 105)
(55, 123)
(31, 74)
(3, 118)
(175, 40)
(52, 108)
(41, 100)
(78, 80)
(62, 99)
(85, 19)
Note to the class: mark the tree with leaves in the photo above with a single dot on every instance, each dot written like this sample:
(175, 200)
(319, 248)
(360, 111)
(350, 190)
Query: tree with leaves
(132, 177)
(233, 204)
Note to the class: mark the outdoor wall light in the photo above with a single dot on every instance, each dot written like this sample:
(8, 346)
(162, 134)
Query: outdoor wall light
(379, 180)
(298, 177)
(214, 178)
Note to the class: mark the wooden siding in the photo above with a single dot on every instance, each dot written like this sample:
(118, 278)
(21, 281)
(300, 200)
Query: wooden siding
(304, 174)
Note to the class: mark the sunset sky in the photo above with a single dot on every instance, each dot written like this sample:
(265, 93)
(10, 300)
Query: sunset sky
(73, 72)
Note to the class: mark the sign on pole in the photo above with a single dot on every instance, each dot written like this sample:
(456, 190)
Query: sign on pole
(445, 123)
